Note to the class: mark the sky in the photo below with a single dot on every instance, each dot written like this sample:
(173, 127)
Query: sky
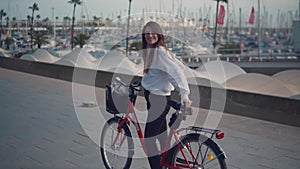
(112, 8)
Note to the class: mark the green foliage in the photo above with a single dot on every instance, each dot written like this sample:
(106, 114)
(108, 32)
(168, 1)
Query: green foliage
(40, 38)
(8, 41)
(34, 7)
(136, 46)
(81, 39)
(229, 49)
(2, 14)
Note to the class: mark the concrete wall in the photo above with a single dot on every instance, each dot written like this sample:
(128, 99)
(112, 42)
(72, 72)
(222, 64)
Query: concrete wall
(268, 68)
(270, 108)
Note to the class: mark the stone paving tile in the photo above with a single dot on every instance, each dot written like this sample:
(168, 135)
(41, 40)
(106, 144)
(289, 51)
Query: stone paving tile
(39, 129)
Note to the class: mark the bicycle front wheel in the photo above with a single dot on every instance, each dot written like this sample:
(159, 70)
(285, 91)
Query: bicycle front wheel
(199, 152)
(116, 145)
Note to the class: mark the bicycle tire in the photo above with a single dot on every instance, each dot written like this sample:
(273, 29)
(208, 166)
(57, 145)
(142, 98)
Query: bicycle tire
(117, 157)
(209, 149)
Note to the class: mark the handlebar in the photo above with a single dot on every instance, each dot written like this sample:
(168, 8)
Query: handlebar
(178, 106)
(134, 86)
(181, 112)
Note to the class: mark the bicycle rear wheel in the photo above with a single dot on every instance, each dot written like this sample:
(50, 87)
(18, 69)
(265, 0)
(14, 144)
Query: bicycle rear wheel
(201, 152)
(116, 146)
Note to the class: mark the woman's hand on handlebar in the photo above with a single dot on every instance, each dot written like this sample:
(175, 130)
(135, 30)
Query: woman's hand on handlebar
(187, 103)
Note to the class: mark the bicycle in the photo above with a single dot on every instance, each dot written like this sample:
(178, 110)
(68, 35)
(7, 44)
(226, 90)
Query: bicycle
(192, 150)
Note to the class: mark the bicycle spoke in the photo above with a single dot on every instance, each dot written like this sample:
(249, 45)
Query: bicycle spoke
(197, 154)
(116, 149)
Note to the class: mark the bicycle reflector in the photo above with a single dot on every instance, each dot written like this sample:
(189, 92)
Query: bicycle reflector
(220, 135)
(210, 157)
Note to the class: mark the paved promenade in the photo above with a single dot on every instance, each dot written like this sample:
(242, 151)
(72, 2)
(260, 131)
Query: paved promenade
(44, 126)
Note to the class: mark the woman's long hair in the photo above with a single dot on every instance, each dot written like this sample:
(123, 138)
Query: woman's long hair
(147, 50)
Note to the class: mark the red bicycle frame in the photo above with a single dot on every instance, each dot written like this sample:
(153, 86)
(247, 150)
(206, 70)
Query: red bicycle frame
(131, 117)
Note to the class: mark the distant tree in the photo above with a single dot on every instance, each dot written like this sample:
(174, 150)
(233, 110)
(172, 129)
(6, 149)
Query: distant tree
(14, 24)
(46, 22)
(74, 2)
(81, 40)
(33, 8)
(40, 39)
(96, 21)
(66, 21)
(7, 21)
(2, 14)
(229, 49)
(136, 46)
(8, 41)
(28, 19)
(38, 17)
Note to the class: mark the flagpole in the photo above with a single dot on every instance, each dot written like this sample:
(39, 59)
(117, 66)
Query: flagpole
(216, 25)
(227, 23)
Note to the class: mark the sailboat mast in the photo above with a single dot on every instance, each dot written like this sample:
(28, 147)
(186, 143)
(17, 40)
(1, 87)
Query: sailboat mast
(258, 29)
(227, 22)
(128, 21)
(9, 31)
(173, 27)
(299, 10)
(54, 23)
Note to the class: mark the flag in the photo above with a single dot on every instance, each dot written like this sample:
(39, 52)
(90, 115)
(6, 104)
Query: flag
(221, 15)
(252, 17)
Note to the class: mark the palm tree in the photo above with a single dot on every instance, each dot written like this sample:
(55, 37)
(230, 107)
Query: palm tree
(46, 21)
(28, 19)
(7, 21)
(40, 39)
(34, 7)
(38, 23)
(74, 2)
(2, 14)
(66, 23)
(81, 39)
(14, 23)
(8, 41)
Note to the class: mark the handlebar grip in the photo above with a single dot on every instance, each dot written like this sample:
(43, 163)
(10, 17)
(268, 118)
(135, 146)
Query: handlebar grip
(187, 110)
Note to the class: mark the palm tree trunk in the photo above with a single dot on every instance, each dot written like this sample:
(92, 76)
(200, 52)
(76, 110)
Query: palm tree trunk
(31, 34)
(72, 29)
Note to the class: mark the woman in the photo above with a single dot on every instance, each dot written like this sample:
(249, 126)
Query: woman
(162, 74)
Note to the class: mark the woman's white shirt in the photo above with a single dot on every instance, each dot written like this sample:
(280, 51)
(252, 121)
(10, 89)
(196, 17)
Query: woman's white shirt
(165, 74)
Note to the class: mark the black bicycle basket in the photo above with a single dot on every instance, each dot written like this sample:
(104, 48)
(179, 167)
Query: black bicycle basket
(118, 98)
